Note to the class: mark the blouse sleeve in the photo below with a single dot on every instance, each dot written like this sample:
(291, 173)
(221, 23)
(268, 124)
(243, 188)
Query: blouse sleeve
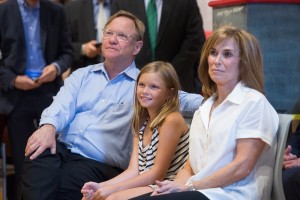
(258, 119)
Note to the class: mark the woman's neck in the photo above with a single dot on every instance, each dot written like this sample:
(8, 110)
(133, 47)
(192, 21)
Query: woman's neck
(223, 92)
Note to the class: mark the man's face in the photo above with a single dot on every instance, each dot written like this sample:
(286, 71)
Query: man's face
(119, 41)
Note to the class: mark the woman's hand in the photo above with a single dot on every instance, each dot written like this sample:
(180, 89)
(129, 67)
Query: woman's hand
(165, 187)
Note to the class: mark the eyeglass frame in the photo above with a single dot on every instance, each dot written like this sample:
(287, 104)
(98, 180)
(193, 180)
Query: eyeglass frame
(119, 35)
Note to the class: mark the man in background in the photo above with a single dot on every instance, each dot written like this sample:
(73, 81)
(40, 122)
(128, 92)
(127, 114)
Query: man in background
(174, 33)
(35, 51)
(86, 19)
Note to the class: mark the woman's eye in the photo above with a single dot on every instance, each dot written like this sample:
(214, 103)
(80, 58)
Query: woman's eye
(228, 55)
(213, 52)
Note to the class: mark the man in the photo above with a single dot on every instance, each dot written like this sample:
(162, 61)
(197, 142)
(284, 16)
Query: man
(92, 114)
(291, 167)
(179, 37)
(35, 51)
(86, 19)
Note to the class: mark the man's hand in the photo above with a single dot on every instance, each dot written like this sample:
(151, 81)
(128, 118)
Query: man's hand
(48, 75)
(290, 160)
(291, 163)
(288, 155)
(41, 140)
(90, 50)
(23, 82)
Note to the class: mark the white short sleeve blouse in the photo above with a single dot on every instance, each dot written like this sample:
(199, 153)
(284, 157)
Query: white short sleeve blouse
(245, 113)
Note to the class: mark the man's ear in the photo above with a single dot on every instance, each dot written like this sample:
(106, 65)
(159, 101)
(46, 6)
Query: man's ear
(137, 47)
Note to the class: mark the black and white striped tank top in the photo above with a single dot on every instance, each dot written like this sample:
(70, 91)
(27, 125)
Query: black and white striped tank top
(147, 154)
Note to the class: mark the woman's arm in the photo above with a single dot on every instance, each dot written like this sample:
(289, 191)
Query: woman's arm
(248, 152)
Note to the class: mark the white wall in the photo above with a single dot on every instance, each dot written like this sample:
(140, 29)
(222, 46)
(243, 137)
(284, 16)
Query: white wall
(206, 13)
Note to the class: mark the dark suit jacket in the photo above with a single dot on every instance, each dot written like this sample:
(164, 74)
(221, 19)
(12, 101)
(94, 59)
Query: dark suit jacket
(55, 43)
(80, 17)
(180, 36)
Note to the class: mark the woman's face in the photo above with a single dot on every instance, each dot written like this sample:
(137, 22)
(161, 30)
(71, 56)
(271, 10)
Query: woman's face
(223, 63)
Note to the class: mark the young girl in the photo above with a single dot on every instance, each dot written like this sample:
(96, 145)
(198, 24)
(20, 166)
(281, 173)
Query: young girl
(160, 137)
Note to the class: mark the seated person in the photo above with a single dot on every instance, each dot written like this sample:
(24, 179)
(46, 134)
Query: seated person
(91, 117)
(291, 167)
(160, 137)
(233, 133)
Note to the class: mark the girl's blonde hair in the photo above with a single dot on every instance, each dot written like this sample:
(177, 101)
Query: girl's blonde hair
(251, 62)
(168, 75)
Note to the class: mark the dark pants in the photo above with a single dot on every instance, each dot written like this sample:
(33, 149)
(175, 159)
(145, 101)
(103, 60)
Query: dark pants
(61, 175)
(23, 121)
(190, 195)
(291, 183)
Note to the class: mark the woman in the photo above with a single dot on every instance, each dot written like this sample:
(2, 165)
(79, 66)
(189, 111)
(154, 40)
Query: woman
(232, 135)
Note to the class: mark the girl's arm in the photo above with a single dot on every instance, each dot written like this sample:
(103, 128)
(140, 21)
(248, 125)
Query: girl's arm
(170, 132)
(185, 173)
(90, 188)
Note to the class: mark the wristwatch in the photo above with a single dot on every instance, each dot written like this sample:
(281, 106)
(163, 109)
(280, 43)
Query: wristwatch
(191, 186)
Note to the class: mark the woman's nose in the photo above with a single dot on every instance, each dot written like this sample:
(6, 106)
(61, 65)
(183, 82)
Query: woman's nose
(218, 59)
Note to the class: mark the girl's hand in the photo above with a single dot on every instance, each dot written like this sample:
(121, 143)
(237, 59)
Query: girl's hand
(89, 189)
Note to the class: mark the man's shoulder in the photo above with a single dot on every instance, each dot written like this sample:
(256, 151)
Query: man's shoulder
(77, 3)
(51, 6)
(89, 69)
(8, 4)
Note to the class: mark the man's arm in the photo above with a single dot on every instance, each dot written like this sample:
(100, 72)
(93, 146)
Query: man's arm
(189, 103)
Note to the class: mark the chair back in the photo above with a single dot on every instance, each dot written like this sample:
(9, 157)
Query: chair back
(282, 135)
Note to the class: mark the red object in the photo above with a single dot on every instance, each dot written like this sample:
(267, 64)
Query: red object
(208, 33)
(217, 3)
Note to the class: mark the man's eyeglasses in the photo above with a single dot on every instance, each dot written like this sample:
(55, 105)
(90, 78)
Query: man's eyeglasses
(121, 37)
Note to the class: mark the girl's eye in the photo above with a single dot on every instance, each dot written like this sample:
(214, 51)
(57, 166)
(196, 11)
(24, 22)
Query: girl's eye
(141, 84)
(154, 87)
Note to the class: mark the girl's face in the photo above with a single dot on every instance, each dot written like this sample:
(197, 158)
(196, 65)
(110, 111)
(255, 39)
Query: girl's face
(151, 91)
(223, 62)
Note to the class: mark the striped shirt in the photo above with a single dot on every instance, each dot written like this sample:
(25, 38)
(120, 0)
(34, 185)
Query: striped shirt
(147, 154)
